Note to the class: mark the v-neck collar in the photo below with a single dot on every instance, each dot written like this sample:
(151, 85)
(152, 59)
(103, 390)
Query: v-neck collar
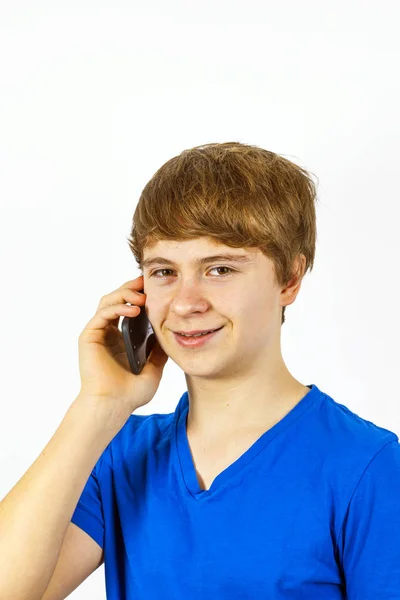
(185, 464)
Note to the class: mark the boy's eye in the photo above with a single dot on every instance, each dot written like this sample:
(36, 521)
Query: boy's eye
(154, 273)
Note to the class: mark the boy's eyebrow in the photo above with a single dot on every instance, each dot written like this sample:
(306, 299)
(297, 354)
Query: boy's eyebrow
(239, 258)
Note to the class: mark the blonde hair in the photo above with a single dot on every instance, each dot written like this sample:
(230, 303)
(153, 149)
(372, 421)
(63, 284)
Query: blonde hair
(241, 195)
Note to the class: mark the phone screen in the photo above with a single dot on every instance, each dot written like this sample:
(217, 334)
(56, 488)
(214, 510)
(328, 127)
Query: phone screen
(139, 339)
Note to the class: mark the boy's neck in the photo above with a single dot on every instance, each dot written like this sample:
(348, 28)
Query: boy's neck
(215, 417)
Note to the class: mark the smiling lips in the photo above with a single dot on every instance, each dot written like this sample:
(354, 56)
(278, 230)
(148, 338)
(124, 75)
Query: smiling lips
(197, 331)
(197, 340)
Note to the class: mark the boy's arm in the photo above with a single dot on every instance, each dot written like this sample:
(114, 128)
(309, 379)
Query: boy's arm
(370, 539)
(35, 514)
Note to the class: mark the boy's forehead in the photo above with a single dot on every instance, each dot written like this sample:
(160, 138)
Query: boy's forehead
(195, 246)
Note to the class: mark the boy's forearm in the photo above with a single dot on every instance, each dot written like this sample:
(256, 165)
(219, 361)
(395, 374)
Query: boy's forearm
(35, 514)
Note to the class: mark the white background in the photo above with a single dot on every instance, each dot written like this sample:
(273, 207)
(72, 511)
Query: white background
(96, 96)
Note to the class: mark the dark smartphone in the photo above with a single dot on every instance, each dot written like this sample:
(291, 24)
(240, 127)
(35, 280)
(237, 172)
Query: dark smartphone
(139, 339)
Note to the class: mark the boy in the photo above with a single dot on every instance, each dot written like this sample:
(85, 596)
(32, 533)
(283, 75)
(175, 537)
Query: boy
(257, 485)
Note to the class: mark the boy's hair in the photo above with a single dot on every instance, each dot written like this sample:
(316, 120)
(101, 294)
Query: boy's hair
(241, 195)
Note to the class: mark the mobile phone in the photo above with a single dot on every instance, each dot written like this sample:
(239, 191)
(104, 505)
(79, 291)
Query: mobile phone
(139, 339)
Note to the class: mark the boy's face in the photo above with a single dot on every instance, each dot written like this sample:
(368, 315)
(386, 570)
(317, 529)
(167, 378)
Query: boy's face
(246, 302)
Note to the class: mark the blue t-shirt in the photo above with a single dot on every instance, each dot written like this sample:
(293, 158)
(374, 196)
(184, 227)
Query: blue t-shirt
(310, 511)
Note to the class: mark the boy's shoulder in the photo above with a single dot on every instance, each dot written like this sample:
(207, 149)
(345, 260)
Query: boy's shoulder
(349, 436)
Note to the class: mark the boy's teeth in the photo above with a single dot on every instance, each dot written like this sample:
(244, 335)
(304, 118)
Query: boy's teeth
(194, 335)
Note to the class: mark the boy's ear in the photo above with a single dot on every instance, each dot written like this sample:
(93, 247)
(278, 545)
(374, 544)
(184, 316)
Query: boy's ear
(292, 288)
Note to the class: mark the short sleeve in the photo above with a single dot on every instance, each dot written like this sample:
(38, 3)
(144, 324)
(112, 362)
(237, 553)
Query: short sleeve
(371, 530)
(88, 514)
